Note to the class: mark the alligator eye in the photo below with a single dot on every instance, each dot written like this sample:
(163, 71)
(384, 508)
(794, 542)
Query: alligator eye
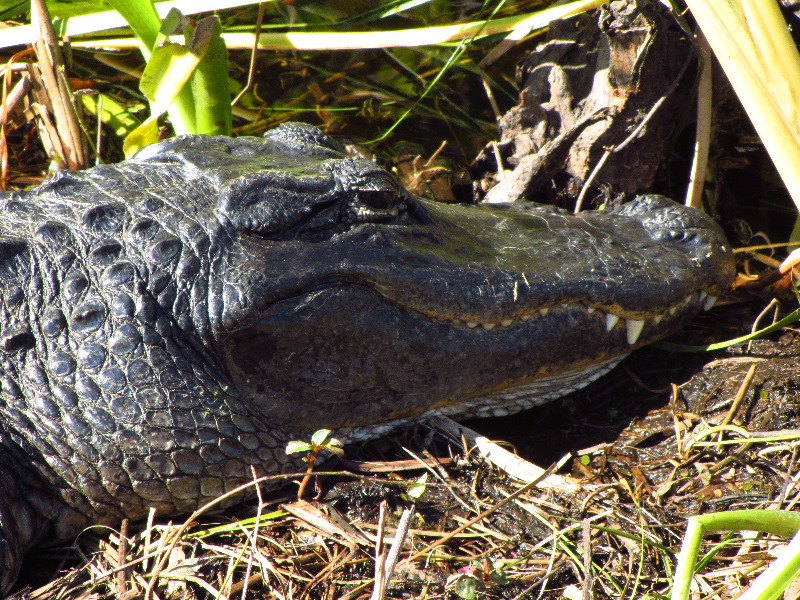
(380, 199)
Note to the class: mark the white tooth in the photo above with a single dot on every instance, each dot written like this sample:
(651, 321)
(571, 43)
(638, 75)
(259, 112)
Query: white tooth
(590, 310)
(506, 322)
(657, 319)
(543, 311)
(471, 324)
(525, 318)
(703, 295)
(710, 301)
(487, 326)
(673, 310)
(688, 298)
(634, 327)
(611, 320)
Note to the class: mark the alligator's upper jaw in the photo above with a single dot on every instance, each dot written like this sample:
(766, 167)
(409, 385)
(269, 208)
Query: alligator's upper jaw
(495, 265)
(432, 317)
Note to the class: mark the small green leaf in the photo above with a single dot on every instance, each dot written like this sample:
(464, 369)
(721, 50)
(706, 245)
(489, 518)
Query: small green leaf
(320, 437)
(466, 587)
(144, 135)
(335, 449)
(295, 446)
(416, 490)
(498, 574)
(173, 24)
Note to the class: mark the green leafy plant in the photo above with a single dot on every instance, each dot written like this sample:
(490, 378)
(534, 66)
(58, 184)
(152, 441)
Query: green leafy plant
(416, 489)
(188, 80)
(471, 580)
(320, 440)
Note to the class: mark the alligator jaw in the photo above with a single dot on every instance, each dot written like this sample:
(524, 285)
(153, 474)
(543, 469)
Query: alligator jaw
(634, 326)
(503, 402)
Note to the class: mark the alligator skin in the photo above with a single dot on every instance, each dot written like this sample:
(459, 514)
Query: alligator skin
(169, 323)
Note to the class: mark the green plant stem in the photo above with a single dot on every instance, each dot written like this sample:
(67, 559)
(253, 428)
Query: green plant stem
(143, 19)
(312, 458)
(788, 319)
(777, 522)
(211, 95)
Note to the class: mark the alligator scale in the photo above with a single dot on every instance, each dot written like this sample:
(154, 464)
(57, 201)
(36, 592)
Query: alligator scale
(169, 323)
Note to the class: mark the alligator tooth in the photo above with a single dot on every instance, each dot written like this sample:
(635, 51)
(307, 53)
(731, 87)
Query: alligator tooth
(688, 299)
(487, 326)
(710, 301)
(543, 311)
(611, 320)
(703, 295)
(506, 322)
(673, 310)
(471, 324)
(634, 327)
(657, 319)
(590, 309)
(525, 318)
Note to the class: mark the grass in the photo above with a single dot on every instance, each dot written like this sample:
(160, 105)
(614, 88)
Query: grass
(754, 47)
(175, 77)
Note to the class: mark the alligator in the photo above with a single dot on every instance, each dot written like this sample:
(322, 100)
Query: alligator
(168, 323)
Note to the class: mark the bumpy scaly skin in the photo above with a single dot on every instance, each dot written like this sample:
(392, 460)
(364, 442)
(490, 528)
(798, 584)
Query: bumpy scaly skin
(109, 403)
(170, 322)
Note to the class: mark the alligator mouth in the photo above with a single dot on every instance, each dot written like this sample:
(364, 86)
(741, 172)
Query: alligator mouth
(633, 326)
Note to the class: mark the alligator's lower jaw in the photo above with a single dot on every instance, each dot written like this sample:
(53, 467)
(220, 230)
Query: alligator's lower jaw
(522, 396)
(346, 358)
(500, 403)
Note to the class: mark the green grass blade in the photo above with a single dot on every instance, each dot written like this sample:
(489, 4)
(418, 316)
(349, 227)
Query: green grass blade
(354, 40)
(103, 21)
(112, 113)
(787, 320)
(143, 19)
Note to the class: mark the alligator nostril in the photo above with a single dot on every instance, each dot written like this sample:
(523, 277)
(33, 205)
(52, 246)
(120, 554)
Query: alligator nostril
(675, 235)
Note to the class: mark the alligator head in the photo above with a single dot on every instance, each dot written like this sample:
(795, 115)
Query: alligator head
(349, 303)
